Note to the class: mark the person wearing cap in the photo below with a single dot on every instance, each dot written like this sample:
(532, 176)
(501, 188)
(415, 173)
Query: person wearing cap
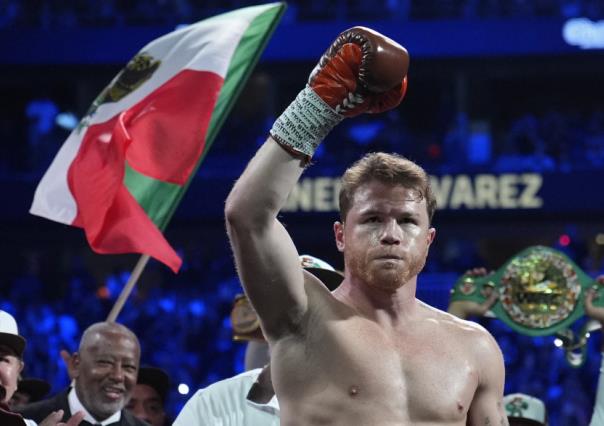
(248, 399)
(524, 410)
(11, 364)
(11, 353)
(149, 396)
(29, 390)
(104, 372)
(12, 346)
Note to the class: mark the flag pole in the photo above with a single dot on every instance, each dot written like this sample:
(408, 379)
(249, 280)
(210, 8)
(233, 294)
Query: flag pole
(121, 300)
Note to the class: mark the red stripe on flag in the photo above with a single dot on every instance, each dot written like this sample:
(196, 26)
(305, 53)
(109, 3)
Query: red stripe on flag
(162, 136)
(169, 126)
(112, 219)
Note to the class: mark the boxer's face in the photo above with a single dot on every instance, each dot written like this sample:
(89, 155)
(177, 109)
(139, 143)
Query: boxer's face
(10, 368)
(386, 236)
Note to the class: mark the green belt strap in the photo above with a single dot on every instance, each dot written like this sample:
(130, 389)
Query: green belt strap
(541, 292)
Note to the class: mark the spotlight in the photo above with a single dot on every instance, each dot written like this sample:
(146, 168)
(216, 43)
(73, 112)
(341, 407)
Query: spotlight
(66, 120)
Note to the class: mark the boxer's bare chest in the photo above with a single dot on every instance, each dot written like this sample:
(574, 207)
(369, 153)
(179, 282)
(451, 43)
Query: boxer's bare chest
(422, 372)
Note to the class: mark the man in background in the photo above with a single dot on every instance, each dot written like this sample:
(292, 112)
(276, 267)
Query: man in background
(148, 400)
(104, 374)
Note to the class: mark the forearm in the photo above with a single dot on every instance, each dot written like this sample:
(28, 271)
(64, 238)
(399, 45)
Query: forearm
(266, 258)
(595, 312)
(262, 189)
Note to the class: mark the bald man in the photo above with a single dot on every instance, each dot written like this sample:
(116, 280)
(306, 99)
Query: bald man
(104, 372)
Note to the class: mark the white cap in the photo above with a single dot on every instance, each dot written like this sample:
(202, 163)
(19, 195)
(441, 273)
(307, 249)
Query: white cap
(9, 334)
(322, 270)
(522, 406)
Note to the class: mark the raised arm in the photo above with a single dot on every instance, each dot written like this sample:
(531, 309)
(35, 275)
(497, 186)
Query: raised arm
(362, 71)
(592, 311)
(464, 308)
(487, 405)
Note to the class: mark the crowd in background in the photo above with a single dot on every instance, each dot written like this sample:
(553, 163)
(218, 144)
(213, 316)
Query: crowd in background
(65, 14)
(551, 141)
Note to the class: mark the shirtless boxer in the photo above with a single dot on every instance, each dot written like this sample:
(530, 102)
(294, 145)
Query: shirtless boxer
(369, 353)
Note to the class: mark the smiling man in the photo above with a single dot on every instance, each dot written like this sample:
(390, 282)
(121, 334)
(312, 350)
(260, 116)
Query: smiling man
(104, 371)
(368, 353)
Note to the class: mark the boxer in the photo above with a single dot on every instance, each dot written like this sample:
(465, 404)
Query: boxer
(369, 353)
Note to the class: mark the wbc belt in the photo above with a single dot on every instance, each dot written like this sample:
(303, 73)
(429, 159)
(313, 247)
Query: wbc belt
(540, 292)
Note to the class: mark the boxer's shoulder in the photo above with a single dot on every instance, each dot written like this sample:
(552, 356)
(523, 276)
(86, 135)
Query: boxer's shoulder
(452, 324)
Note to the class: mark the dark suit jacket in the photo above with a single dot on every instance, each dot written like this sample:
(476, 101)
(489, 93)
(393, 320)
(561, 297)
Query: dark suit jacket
(8, 418)
(38, 411)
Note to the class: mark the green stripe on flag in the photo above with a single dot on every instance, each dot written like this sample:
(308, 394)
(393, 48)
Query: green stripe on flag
(160, 199)
(156, 197)
(242, 64)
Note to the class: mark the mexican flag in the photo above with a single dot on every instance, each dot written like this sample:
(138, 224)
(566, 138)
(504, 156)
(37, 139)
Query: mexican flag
(123, 170)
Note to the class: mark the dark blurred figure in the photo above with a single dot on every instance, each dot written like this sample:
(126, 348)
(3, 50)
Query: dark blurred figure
(29, 390)
(149, 396)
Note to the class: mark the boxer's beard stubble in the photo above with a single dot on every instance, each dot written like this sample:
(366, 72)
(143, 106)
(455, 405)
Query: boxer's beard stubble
(389, 279)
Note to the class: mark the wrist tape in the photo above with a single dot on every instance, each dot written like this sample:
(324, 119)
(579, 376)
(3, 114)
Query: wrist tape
(305, 123)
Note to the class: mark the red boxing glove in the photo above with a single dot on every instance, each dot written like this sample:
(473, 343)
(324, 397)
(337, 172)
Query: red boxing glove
(362, 71)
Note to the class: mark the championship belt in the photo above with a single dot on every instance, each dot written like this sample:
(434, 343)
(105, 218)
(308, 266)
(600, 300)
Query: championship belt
(540, 293)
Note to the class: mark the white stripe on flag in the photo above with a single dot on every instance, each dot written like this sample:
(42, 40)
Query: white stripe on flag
(207, 45)
(53, 199)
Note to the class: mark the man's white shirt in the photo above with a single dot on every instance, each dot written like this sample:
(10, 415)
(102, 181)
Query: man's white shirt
(225, 403)
(75, 405)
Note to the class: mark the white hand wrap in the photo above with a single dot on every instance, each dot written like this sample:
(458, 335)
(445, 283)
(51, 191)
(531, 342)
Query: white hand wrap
(305, 122)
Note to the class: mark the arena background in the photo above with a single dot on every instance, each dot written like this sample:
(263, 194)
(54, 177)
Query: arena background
(509, 92)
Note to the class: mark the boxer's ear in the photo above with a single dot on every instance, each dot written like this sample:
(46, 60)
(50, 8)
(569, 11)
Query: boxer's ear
(338, 230)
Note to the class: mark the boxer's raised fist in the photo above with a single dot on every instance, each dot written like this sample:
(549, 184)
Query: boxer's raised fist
(362, 71)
